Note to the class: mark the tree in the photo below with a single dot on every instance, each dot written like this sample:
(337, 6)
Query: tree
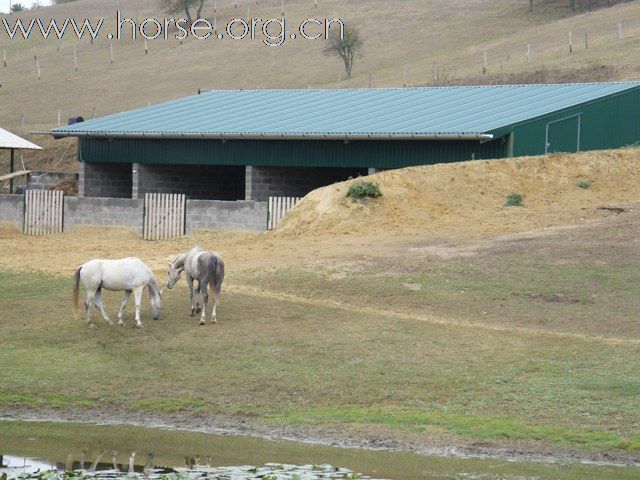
(177, 6)
(17, 7)
(344, 43)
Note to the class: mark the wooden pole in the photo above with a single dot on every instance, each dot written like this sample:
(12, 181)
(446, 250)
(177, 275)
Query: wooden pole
(404, 77)
(586, 41)
(146, 47)
(528, 54)
(75, 57)
(570, 42)
(11, 166)
(484, 63)
(619, 31)
(38, 69)
(4, 57)
(111, 48)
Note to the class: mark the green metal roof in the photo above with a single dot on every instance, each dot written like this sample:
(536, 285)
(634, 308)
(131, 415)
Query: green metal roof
(396, 113)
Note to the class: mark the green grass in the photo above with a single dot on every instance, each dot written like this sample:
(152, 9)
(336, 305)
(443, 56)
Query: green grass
(288, 363)
(362, 190)
(514, 200)
(464, 425)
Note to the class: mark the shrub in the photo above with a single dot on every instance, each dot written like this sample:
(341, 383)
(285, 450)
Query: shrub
(364, 190)
(514, 200)
(584, 183)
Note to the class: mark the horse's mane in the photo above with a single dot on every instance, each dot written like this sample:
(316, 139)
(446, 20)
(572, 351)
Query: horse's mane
(179, 260)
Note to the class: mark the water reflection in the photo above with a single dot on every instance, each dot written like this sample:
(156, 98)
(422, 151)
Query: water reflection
(30, 468)
(117, 450)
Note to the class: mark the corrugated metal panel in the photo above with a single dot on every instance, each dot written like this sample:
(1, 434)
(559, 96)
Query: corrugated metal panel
(287, 153)
(8, 140)
(611, 123)
(350, 113)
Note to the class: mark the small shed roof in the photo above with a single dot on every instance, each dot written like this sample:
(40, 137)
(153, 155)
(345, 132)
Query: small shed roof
(10, 141)
(385, 113)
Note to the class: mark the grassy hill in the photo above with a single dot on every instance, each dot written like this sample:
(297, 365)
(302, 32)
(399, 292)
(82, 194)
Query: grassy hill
(412, 34)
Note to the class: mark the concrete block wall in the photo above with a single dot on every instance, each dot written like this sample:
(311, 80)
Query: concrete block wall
(205, 182)
(12, 210)
(264, 182)
(221, 215)
(112, 180)
(44, 180)
(108, 212)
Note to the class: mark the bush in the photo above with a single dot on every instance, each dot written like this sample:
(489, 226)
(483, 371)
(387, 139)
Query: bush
(584, 183)
(514, 200)
(364, 190)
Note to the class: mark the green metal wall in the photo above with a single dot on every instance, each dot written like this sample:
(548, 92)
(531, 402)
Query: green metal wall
(308, 153)
(611, 122)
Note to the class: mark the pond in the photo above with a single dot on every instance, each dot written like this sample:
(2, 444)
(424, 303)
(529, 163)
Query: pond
(28, 447)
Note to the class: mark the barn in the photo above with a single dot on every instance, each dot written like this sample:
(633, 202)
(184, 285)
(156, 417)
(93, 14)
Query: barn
(252, 144)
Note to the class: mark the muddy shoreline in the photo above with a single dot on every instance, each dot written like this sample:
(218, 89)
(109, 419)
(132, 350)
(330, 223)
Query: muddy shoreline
(348, 437)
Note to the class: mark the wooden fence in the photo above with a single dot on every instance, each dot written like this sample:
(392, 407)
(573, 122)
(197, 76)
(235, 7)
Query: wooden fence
(164, 216)
(278, 208)
(43, 211)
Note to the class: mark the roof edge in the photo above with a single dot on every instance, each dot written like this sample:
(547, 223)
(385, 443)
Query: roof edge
(278, 136)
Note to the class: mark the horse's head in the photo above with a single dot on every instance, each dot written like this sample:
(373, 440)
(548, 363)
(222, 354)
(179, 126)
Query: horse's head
(173, 274)
(156, 304)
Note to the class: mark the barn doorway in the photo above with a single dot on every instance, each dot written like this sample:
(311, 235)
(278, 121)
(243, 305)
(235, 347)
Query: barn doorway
(564, 135)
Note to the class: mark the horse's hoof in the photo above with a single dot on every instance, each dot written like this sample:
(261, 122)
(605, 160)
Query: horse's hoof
(193, 313)
(138, 325)
(202, 323)
(120, 324)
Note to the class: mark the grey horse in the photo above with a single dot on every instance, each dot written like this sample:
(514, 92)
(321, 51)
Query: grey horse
(208, 269)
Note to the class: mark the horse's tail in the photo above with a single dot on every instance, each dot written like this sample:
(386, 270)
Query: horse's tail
(214, 282)
(76, 287)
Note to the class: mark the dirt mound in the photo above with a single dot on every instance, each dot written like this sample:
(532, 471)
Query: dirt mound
(469, 197)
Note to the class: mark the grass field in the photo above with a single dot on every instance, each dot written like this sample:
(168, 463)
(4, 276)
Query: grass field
(531, 340)
(411, 33)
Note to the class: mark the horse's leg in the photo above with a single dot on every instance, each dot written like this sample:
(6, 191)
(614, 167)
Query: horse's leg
(205, 300)
(191, 295)
(100, 308)
(198, 301)
(214, 318)
(137, 295)
(123, 304)
(88, 302)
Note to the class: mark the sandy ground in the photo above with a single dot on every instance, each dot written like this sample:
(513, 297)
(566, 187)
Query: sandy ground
(437, 206)
(467, 199)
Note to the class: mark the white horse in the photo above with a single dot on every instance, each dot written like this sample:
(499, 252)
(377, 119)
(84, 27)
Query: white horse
(128, 274)
(208, 269)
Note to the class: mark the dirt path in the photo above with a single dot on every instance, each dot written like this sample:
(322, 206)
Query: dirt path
(450, 322)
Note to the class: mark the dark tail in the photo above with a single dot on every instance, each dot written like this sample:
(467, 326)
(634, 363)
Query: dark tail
(76, 287)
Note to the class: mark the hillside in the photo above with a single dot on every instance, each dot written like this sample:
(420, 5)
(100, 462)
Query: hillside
(411, 33)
